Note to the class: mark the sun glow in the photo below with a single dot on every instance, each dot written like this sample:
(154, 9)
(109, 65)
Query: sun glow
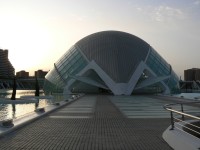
(26, 41)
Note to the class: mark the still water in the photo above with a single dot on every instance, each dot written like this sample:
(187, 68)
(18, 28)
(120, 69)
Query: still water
(6, 110)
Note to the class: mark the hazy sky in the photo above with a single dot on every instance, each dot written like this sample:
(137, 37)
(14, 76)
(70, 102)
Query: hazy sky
(38, 32)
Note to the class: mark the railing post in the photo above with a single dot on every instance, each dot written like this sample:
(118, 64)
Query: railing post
(172, 121)
(183, 118)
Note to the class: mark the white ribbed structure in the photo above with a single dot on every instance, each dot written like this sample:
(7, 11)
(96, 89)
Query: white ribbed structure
(113, 61)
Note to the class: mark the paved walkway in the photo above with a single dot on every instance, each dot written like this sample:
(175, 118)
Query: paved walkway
(97, 125)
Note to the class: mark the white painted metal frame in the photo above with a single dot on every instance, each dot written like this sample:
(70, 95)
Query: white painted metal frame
(119, 88)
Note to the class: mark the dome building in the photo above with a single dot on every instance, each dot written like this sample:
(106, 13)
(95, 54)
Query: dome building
(112, 62)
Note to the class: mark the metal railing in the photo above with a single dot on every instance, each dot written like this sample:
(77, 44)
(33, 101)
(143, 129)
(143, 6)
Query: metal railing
(184, 121)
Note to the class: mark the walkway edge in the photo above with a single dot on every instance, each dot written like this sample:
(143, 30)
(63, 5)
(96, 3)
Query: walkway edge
(21, 122)
(179, 140)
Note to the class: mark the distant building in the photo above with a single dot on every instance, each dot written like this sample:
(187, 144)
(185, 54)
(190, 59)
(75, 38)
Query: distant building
(41, 73)
(192, 74)
(6, 68)
(22, 74)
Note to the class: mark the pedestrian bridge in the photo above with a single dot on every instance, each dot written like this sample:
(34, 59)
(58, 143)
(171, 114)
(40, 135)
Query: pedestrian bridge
(22, 83)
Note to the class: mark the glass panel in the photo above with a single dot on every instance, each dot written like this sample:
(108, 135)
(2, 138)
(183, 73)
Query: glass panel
(161, 68)
(70, 64)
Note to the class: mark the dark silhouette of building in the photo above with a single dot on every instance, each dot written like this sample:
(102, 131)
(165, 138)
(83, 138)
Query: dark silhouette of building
(6, 68)
(192, 74)
(22, 74)
(40, 73)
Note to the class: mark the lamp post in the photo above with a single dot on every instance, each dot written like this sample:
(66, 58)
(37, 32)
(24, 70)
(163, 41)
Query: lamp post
(13, 97)
(37, 90)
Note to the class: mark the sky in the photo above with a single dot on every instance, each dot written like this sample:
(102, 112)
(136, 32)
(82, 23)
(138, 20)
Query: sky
(38, 32)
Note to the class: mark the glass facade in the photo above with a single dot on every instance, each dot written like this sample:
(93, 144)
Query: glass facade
(161, 68)
(116, 58)
(71, 63)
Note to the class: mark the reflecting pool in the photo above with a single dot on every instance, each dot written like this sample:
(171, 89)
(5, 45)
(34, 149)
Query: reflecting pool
(7, 110)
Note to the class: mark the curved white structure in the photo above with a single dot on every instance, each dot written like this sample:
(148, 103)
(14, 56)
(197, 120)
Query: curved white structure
(180, 140)
(112, 61)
